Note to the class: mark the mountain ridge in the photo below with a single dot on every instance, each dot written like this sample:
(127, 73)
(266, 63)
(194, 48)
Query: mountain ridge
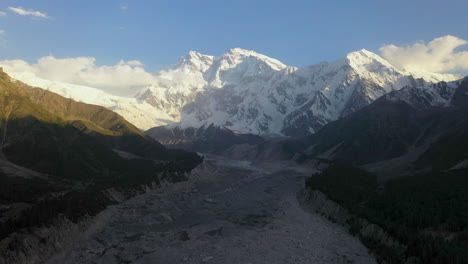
(250, 92)
(396, 134)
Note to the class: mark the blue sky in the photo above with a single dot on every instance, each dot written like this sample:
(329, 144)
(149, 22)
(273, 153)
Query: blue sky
(157, 33)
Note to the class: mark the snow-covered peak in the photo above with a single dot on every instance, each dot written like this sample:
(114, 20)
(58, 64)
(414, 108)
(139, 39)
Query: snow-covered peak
(236, 55)
(196, 70)
(193, 62)
(364, 60)
(434, 77)
(197, 62)
(194, 54)
(243, 52)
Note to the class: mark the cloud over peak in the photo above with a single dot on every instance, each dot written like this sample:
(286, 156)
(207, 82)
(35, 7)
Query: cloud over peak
(117, 79)
(439, 55)
(30, 12)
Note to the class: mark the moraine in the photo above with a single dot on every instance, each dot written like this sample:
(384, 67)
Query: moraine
(228, 212)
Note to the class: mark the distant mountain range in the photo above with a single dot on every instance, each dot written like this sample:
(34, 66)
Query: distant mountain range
(248, 92)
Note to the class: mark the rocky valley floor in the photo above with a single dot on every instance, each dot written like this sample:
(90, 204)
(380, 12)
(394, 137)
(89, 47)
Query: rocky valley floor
(228, 212)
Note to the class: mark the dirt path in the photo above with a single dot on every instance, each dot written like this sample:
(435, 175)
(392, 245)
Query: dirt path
(232, 213)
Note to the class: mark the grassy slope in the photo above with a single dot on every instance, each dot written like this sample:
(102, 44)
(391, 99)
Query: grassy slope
(108, 127)
(98, 118)
(42, 141)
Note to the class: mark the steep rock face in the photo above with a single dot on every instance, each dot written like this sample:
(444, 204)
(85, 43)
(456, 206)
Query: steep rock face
(413, 128)
(212, 139)
(460, 97)
(252, 93)
(421, 94)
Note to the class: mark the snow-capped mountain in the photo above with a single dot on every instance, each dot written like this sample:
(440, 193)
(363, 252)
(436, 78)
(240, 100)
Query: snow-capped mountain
(246, 91)
(404, 130)
(422, 94)
(249, 92)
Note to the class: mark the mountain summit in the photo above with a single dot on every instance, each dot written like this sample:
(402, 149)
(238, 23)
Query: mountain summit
(194, 61)
(251, 92)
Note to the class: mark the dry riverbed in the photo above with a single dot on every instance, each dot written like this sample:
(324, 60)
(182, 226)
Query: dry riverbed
(228, 212)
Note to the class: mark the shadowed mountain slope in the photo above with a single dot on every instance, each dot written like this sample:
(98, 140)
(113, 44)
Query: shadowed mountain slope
(395, 127)
(62, 161)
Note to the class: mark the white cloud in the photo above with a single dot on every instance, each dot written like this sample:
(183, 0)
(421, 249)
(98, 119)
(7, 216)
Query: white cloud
(135, 63)
(120, 78)
(16, 66)
(439, 55)
(30, 12)
(2, 13)
(2, 32)
(124, 7)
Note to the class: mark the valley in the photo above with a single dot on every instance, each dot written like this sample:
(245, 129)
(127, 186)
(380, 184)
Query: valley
(233, 132)
(70, 169)
(227, 212)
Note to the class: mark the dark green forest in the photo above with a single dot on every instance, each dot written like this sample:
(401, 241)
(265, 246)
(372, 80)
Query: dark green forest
(428, 213)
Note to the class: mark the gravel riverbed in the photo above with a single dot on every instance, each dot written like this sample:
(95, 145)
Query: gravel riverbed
(228, 212)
